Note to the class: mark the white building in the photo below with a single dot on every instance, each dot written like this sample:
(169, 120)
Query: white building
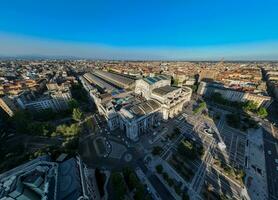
(136, 112)
(55, 100)
(208, 89)
(43, 178)
(7, 105)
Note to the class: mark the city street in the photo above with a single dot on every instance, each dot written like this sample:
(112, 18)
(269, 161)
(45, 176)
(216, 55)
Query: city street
(271, 159)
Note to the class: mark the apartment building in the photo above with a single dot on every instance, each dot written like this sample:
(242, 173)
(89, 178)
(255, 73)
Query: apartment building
(43, 178)
(208, 89)
(8, 105)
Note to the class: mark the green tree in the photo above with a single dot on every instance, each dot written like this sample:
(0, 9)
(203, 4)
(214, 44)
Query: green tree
(78, 92)
(20, 121)
(175, 82)
(200, 107)
(132, 180)
(73, 104)
(250, 106)
(159, 169)
(139, 193)
(44, 115)
(65, 130)
(177, 189)
(187, 150)
(118, 185)
(194, 88)
(156, 150)
(262, 112)
(185, 196)
(77, 114)
(100, 179)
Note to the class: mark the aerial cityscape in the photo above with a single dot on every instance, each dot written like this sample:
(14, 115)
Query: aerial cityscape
(116, 106)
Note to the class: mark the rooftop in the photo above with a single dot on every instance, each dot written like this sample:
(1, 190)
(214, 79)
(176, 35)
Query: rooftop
(43, 179)
(118, 80)
(153, 80)
(143, 108)
(161, 91)
(99, 82)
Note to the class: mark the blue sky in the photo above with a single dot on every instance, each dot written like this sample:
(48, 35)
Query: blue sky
(140, 29)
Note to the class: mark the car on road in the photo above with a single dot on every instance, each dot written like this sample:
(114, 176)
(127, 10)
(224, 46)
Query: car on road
(277, 168)
(269, 152)
(276, 160)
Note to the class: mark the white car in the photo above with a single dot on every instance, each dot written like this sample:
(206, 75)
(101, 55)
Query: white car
(269, 152)
(277, 168)
(276, 160)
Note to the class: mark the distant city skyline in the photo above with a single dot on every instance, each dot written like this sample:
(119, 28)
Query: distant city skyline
(143, 30)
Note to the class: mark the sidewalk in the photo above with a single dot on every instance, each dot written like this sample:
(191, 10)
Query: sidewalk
(140, 174)
(256, 180)
(106, 195)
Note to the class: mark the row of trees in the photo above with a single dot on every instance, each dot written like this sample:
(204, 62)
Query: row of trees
(189, 149)
(122, 182)
(174, 134)
(67, 130)
(200, 107)
(235, 120)
(29, 123)
(133, 183)
(253, 107)
(248, 106)
(118, 184)
(78, 92)
(171, 182)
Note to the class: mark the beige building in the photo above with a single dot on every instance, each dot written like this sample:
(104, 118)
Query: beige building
(208, 89)
(137, 111)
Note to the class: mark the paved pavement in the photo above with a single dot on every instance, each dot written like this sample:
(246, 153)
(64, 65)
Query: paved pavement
(233, 153)
(271, 153)
(235, 146)
(222, 184)
(255, 180)
(154, 180)
(144, 179)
